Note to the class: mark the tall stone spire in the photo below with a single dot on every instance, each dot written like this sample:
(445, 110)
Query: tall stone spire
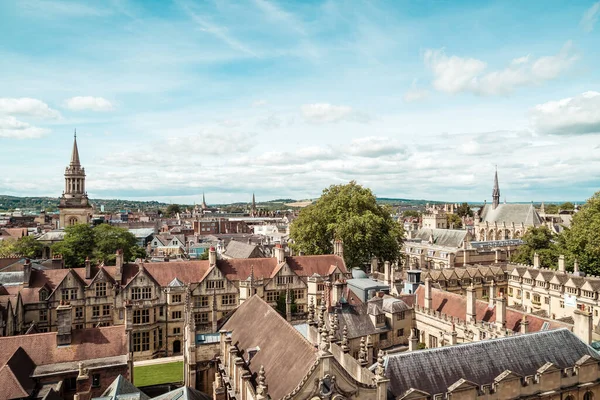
(495, 192)
(75, 153)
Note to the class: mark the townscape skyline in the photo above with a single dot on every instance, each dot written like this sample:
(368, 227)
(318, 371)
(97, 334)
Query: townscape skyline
(173, 99)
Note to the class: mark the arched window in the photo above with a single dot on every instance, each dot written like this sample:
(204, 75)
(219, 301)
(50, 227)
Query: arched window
(43, 295)
(588, 396)
(570, 397)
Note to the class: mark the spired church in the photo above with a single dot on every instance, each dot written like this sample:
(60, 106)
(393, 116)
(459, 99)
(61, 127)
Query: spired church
(504, 221)
(74, 205)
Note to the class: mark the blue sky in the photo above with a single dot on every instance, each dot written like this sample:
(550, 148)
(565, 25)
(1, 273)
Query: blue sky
(414, 99)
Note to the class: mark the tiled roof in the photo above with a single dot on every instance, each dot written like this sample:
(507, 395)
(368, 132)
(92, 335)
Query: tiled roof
(357, 320)
(121, 388)
(433, 371)
(443, 237)
(239, 269)
(285, 354)
(15, 378)
(185, 271)
(509, 213)
(455, 305)
(310, 265)
(237, 249)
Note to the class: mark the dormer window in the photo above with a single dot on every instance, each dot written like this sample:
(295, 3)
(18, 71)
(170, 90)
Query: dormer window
(43, 295)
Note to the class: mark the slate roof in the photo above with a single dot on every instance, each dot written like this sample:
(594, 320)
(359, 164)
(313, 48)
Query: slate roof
(52, 236)
(285, 354)
(357, 320)
(434, 370)
(121, 389)
(184, 393)
(237, 249)
(509, 213)
(442, 237)
(15, 378)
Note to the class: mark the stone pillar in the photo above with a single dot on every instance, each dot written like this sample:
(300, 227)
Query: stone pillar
(288, 305)
(26, 272)
(575, 267)
(471, 304)
(63, 316)
(428, 296)
(119, 266)
(453, 336)
(380, 380)
(583, 325)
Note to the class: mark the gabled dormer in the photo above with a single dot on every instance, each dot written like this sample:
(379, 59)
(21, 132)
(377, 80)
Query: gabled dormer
(70, 288)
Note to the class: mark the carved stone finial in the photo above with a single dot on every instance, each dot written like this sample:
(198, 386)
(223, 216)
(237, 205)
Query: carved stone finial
(311, 312)
(261, 387)
(345, 347)
(331, 329)
(362, 354)
(380, 369)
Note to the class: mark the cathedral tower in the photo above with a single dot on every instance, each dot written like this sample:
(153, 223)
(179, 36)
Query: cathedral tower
(74, 205)
(495, 192)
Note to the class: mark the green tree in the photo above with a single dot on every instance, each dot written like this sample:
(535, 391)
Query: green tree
(281, 304)
(204, 255)
(7, 248)
(350, 213)
(582, 241)
(464, 210)
(109, 239)
(172, 210)
(537, 240)
(551, 209)
(411, 213)
(28, 246)
(78, 244)
(454, 221)
(567, 206)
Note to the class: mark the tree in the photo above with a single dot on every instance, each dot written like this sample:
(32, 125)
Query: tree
(567, 206)
(411, 213)
(454, 221)
(77, 245)
(204, 255)
(109, 239)
(350, 213)
(551, 209)
(281, 303)
(582, 241)
(7, 248)
(464, 210)
(172, 210)
(537, 240)
(28, 246)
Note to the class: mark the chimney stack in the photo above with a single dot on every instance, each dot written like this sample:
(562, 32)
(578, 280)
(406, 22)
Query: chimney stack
(536, 260)
(279, 253)
(338, 248)
(413, 341)
(561, 263)
(26, 272)
(119, 266)
(63, 316)
(212, 256)
(471, 304)
(387, 272)
(582, 327)
(428, 298)
(492, 295)
(88, 268)
(524, 324)
(374, 265)
(500, 313)
(575, 267)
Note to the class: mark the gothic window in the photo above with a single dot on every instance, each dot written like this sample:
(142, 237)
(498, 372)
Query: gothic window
(95, 311)
(100, 289)
(69, 294)
(141, 293)
(228, 300)
(175, 298)
(298, 294)
(284, 280)
(272, 296)
(73, 221)
(176, 331)
(588, 396)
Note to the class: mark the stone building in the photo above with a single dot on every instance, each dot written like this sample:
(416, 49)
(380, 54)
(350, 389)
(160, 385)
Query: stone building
(504, 221)
(155, 294)
(74, 205)
(485, 279)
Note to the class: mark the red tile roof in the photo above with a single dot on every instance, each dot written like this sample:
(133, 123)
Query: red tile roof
(310, 265)
(187, 271)
(239, 269)
(455, 305)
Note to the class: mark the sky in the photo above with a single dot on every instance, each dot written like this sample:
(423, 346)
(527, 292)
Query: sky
(413, 99)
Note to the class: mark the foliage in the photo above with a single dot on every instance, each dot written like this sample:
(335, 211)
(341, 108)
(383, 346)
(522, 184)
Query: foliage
(567, 206)
(551, 209)
(537, 240)
(582, 241)
(454, 221)
(411, 213)
(158, 374)
(204, 255)
(99, 243)
(172, 210)
(350, 213)
(28, 246)
(464, 210)
(7, 248)
(281, 304)
(421, 346)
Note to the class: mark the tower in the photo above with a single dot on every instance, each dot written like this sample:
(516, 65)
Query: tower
(74, 205)
(495, 192)
(253, 209)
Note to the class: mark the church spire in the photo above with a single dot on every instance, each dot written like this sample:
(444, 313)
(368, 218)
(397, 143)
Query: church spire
(495, 192)
(75, 153)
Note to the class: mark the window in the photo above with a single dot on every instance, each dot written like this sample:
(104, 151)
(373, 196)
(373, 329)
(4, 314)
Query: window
(383, 336)
(380, 319)
(510, 291)
(401, 315)
(106, 309)
(546, 300)
(96, 380)
(201, 301)
(141, 317)
(160, 337)
(298, 294)
(482, 335)
(228, 300)
(215, 284)
(588, 396)
(201, 318)
(95, 311)
(141, 293)
(69, 294)
(176, 331)
(400, 332)
(536, 299)
(527, 295)
(141, 341)
(320, 287)
(70, 384)
(100, 289)
(272, 296)
(43, 315)
(284, 280)
(300, 308)
(572, 290)
(43, 295)
(78, 312)
(562, 304)
(78, 326)
(175, 298)
(484, 292)
(161, 311)
(176, 315)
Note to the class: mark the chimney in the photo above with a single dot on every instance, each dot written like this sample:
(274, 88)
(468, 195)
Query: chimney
(561, 263)
(119, 265)
(413, 341)
(57, 262)
(524, 324)
(492, 295)
(500, 312)
(26, 272)
(338, 290)
(583, 325)
(88, 268)
(288, 305)
(575, 267)
(63, 316)
(471, 304)
(387, 273)
(374, 266)
(279, 253)
(338, 248)
(212, 256)
(536, 260)
(428, 298)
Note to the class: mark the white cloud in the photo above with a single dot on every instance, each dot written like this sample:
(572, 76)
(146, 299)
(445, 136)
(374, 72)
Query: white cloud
(322, 113)
(453, 74)
(571, 116)
(415, 93)
(12, 128)
(80, 103)
(590, 17)
(373, 146)
(28, 107)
